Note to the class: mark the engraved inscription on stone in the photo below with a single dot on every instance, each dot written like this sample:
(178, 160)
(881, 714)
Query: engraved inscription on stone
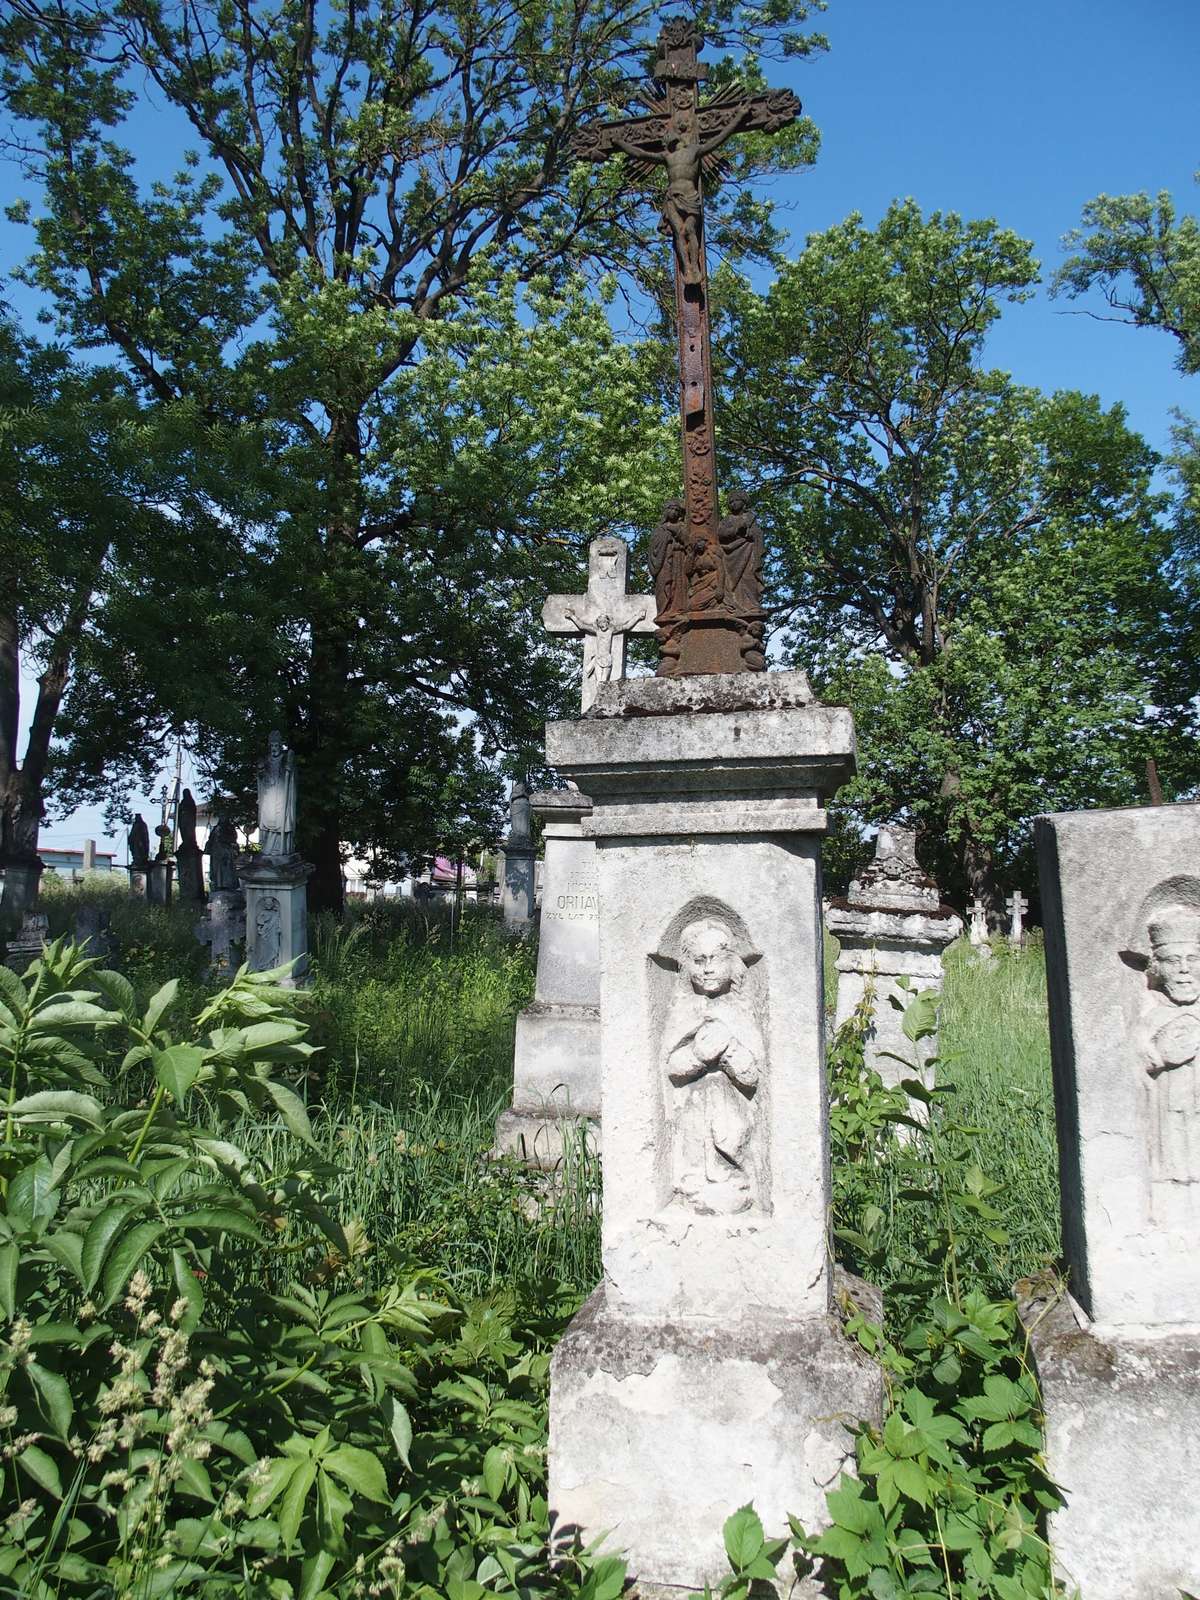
(712, 1059)
(576, 901)
(1166, 1033)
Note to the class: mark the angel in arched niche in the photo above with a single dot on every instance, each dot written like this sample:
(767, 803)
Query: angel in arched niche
(714, 1056)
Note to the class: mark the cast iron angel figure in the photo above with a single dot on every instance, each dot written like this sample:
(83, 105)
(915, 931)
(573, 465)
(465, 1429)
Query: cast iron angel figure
(701, 632)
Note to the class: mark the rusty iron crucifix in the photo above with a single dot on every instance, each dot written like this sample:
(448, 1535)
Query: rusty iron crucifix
(708, 574)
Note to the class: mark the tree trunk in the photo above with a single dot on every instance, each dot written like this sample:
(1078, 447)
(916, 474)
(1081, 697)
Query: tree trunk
(979, 867)
(325, 890)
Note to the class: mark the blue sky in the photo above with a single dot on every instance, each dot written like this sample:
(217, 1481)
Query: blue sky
(1022, 112)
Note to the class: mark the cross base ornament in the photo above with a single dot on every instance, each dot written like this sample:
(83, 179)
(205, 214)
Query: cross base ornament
(707, 573)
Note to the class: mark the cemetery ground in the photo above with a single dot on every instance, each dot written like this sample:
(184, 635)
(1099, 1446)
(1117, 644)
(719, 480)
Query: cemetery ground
(286, 1326)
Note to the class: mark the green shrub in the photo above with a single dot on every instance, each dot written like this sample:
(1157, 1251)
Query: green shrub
(197, 1395)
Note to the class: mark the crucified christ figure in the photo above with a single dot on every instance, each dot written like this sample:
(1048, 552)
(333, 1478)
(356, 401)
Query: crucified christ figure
(682, 154)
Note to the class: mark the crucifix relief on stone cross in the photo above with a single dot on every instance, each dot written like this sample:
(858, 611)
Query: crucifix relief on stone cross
(707, 574)
(603, 617)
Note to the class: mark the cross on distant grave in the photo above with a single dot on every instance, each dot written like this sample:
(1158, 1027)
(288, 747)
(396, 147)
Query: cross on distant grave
(603, 617)
(683, 136)
(1017, 907)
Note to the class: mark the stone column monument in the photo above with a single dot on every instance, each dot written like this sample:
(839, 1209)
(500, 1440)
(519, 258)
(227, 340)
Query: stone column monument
(160, 870)
(224, 926)
(556, 1067)
(707, 1369)
(274, 879)
(892, 924)
(138, 847)
(556, 1063)
(188, 856)
(1119, 1356)
(519, 879)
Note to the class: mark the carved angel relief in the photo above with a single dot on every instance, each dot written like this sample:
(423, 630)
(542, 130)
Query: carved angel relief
(1166, 1032)
(712, 1059)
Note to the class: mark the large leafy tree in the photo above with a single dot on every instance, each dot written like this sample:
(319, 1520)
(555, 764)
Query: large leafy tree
(981, 570)
(94, 491)
(365, 176)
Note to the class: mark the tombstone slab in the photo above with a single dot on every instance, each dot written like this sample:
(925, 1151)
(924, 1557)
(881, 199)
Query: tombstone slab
(708, 1367)
(556, 1064)
(891, 925)
(223, 929)
(19, 882)
(1120, 1360)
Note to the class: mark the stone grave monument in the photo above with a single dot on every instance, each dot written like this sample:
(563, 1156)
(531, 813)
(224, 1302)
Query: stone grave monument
(1017, 907)
(224, 926)
(1119, 1357)
(977, 931)
(93, 928)
(518, 881)
(891, 925)
(189, 859)
(556, 1066)
(27, 943)
(274, 878)
(707, 1369)
(138, 848)
(160, 870)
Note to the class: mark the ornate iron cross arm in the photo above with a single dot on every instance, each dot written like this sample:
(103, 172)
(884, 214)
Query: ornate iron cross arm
(710, 616)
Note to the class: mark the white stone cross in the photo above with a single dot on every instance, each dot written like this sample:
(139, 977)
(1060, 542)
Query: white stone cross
(979, 927)
(602, 617)
(1017, 907)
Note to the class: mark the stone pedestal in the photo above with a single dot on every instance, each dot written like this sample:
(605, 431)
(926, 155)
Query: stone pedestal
(93, 928)
(891, 925)
(158, 881)
(1123, 1446)
(1121, 1375)
(190, 871)
(277, 914)
(556, 1064)
(224, 929)
(707, 1369)
(517, 887)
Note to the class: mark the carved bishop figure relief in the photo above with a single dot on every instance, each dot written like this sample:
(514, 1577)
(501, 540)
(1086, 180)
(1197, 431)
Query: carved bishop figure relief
(1165, 1030)
(712, 1063)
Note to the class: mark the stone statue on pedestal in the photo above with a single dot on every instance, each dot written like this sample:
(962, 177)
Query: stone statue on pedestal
(222, 850)
(277, 799)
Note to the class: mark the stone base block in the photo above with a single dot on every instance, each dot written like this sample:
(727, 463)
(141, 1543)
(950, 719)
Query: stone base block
(658, 1431)
(545, 1141)
(556, 1062)
(1123, 1445)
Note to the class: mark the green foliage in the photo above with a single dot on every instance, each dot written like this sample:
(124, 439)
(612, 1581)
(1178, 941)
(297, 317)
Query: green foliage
(196, 1395)
(951, 1494)
(364, 281)
(979, 570)
(1145, 260)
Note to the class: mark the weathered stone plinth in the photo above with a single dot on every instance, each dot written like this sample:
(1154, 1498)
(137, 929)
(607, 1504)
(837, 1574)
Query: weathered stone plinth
(1123, 1445)
(707, 815)
(518, 887)
(556, 1064)
(158, 881)
(659, 1430)
(891, 925)
(276, 914)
